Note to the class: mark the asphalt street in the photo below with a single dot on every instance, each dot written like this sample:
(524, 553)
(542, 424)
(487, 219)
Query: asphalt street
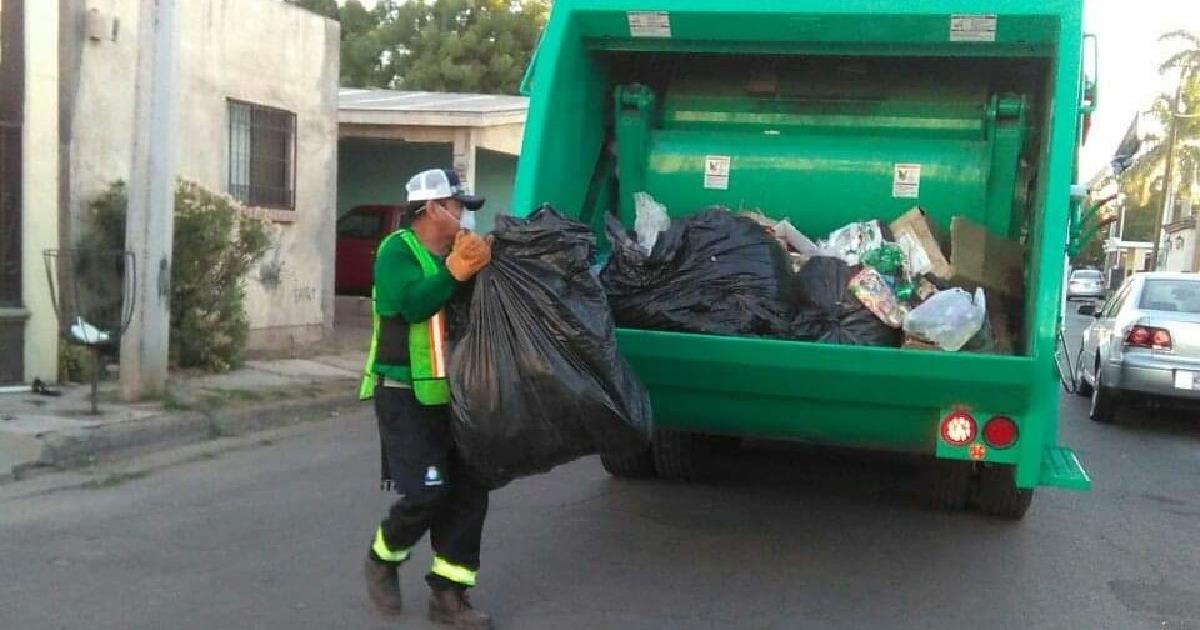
(272, 536)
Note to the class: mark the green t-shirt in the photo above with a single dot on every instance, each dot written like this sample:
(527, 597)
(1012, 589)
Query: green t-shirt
(401, 288)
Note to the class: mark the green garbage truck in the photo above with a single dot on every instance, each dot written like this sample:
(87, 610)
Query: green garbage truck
(827, 112)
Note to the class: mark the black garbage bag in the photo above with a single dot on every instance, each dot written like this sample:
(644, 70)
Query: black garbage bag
(829, 312)
(712, 272)
(535, 377)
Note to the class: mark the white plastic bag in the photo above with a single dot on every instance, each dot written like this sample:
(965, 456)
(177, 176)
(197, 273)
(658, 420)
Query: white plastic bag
(794, 239)
(87, 333)
(950, 318)
(852, 241)
(650, 220)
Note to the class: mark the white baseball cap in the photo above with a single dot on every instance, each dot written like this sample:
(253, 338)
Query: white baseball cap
(440, 183)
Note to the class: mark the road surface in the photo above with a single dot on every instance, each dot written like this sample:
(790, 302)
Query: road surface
(782, 537)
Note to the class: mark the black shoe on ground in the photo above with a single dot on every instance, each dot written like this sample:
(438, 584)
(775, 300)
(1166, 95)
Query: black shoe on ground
(453, 608)
(383, 586)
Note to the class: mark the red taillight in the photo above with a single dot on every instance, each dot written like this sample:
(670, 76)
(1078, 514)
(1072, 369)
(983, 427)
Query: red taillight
(1000, 432)
(958, 428)
(1148, 337)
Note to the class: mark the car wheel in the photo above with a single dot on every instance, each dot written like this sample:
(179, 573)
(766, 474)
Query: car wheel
(1104, 401)
(1082, 387)
(999, 494)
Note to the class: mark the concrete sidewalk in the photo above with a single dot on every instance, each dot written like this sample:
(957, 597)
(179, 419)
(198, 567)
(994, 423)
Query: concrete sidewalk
(39, 432)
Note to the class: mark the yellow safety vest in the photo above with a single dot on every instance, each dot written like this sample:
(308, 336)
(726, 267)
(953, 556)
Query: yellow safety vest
(426, 341)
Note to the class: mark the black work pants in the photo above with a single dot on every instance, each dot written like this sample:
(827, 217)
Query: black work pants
(438, 495)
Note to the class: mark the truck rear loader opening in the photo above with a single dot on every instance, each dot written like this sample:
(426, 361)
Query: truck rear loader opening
(813, 109)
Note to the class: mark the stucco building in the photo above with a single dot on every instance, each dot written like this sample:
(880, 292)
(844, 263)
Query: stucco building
(387, 135)
(257, 90)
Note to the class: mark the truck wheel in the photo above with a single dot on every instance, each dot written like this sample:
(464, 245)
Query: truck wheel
(629, 466)
(1104, 401)
(679, 455)
(723, 444)
(950, 484)
(999, 494)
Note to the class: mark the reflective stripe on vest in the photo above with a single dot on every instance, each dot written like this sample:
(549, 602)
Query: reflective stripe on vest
(426, 341)
(453, 572)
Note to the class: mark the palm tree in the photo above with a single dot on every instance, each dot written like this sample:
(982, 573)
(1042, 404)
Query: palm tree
(1178, 116)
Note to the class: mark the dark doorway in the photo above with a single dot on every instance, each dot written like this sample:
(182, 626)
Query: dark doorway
(12, 104)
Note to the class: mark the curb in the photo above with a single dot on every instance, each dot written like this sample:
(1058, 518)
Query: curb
(174, 429)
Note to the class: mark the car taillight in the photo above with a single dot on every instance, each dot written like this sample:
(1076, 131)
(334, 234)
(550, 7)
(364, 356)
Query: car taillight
(1148, 337)
(958, 428)
(1000, 432)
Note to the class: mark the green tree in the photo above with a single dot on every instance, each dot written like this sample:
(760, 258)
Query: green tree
(216, 243)
(443, 45)
(1144, 182)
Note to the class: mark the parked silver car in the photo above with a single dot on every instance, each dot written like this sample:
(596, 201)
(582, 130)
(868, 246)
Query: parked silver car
(1144, 344)
(1086, 284)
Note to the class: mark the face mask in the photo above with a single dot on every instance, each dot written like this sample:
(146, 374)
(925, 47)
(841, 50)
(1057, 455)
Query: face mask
(467, 222)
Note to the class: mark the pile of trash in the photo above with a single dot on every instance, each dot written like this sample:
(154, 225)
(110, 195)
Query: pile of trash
(745, 273)
(536, 378)
(712, 272)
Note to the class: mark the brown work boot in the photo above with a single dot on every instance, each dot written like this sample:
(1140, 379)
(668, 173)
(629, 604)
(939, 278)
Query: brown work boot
(383, 586)
(453, 608)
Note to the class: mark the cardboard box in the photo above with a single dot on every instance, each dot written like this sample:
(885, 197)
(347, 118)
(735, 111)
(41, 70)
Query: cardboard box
(981, 259)
(916, 343)
(914, 233)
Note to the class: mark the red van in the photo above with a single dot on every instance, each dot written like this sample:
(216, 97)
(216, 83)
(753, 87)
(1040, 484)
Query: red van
(359, 233)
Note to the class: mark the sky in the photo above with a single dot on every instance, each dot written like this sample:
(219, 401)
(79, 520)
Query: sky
(1128, 65)
(1129, 56)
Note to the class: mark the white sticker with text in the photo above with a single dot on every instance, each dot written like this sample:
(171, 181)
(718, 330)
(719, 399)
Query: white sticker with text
(906, 181)
(716, 172)
(972, 28)
(649, 23)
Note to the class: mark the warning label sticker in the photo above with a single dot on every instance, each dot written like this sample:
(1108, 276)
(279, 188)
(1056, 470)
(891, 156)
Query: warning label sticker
(649, 23)
(906, 181)
(716, 172)
(972, 28)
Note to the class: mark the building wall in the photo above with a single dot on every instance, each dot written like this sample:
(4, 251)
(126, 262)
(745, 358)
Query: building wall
(264, 52)
(270, 53)
(1182, 251)
(374, 172)
(39, 230)
(495, 173)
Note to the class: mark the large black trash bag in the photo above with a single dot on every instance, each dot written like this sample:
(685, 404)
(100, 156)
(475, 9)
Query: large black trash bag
(712, 272)
(535, 377)
(829, 312)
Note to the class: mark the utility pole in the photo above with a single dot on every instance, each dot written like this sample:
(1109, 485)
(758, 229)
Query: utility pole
(151, 206)
(1168, 197)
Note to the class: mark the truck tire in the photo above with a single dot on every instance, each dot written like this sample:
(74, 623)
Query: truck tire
(679, 455)
(950, 484)
(635, 466)
(999, 494)
(1104, 402)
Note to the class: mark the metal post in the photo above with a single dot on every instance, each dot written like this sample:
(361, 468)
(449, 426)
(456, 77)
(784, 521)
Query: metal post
(1167, 197)
(150, 213)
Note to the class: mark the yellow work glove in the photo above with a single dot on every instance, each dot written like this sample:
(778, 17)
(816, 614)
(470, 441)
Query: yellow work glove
(468, 255)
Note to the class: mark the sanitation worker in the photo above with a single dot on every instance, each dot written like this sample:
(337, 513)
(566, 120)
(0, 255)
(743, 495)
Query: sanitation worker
(417, 269)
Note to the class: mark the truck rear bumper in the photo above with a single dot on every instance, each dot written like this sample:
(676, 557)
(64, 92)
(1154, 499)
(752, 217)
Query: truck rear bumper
(1148, 378)
(863, 397)
(845, 395)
